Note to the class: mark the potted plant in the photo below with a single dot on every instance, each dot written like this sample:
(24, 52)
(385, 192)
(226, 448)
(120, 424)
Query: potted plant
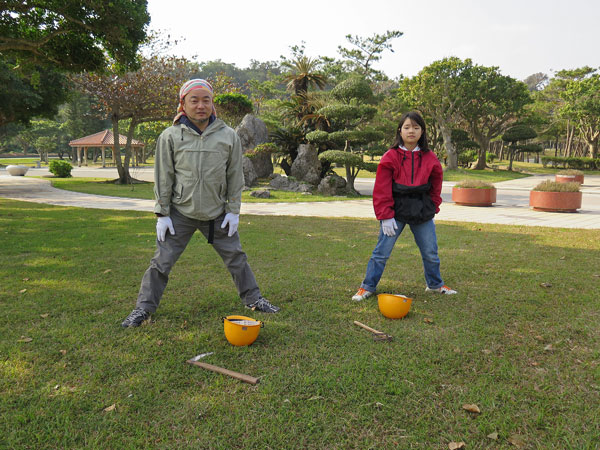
(569, 175)
(474, 193)
(555, 197)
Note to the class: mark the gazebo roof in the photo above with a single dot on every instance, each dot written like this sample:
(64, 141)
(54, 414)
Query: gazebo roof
(103, 139)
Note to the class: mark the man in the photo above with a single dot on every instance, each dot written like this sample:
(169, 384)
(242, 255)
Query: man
(198, 185)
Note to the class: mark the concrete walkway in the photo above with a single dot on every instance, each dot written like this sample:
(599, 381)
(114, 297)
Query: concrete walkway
(511, 208)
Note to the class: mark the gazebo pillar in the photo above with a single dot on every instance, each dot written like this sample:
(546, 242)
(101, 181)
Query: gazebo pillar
(78, 156)
(103, 157)
(85, 156)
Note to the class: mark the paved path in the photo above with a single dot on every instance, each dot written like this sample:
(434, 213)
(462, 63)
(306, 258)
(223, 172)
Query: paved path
(511, 208)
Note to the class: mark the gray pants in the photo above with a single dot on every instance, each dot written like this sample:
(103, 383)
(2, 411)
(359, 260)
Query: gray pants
(168, 252)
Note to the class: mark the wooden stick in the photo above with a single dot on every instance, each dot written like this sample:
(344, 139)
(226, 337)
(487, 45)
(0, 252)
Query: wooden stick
(372, 330)
(231, 373)
(380, 335)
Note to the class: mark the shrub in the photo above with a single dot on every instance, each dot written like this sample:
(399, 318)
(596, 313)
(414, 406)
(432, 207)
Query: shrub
(553, 186)
(474, 184)
(262, 149)
(60, 169)
(490, 157)
(569, 172)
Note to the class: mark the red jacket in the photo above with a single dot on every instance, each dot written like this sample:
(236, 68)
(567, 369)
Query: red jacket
(407, 168)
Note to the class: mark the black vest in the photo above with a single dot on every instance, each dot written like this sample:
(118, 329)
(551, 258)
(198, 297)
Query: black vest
(413, 204)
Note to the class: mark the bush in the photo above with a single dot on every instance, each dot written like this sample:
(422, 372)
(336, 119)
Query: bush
(262, 149)
(553, 186)
(60, 169)
(474, 184)
(571, 162)
(569, 172)
(490, 157)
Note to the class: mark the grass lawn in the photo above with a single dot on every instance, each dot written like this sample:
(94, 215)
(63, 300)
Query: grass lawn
(520, 340)
(101, 186)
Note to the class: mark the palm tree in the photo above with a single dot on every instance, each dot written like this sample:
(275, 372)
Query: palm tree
(303, 75)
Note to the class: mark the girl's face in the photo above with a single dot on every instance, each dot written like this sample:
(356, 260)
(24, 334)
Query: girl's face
(411, 133)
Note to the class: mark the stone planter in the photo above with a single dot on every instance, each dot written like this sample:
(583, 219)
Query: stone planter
(568, 178)
(17, 171)
(474, 196)
(555, 201)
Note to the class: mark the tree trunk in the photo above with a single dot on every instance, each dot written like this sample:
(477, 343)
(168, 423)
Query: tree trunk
(484, 144)
(450, 149)
(350, 177)
(122, 170)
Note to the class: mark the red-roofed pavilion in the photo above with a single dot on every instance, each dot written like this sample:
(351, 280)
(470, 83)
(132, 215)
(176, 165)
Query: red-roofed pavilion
(103, 139)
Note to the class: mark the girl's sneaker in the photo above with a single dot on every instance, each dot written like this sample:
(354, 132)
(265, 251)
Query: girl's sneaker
(442, 290)
(361, 294)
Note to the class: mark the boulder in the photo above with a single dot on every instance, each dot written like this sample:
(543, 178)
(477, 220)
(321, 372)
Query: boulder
(306, 166)
(250, 176)
(332, 185)
(252, 132)
(17, 170)
(282, 183)
(261, 193)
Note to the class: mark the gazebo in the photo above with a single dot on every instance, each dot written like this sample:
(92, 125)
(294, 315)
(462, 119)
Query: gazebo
(103, 139)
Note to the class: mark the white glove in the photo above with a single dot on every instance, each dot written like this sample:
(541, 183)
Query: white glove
(388, 226)
(162, 224)
(233, 221)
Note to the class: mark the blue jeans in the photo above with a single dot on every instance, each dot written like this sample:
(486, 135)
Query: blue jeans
(426, 240)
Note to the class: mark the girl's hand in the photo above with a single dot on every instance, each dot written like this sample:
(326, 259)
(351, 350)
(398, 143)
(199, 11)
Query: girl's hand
(389, 227)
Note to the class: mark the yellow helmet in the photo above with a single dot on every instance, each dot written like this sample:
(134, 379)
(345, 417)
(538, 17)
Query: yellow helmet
(241, 330)
(393, 306)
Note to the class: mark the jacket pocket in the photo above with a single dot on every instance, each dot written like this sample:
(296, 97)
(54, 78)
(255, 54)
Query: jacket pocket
(413, 204)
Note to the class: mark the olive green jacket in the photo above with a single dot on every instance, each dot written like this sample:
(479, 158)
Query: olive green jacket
(200, 175)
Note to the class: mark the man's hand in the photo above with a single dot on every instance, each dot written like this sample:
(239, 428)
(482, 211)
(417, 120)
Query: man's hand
(389, 227)
(233, 221)
(162, 224)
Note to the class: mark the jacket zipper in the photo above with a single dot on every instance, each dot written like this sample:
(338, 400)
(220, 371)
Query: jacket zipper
(412, 168)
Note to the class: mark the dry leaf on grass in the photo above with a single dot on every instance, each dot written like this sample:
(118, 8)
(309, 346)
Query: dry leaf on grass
(107, 271)
(546, 285)
(517, 441)
(472, 408)
(64, 352)
(43, 316)
(427, 320)
(548, 348)
(493, 435)
(25, 279)
(25, 339)
(110, 408)
(22, 291)
(456, 445)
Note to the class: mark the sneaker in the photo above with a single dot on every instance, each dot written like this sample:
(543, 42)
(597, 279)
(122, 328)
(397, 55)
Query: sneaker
(442, 290)
(361, 294)
(136, 318)
(263, 305)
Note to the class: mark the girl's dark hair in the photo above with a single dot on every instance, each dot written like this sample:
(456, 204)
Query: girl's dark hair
(415, 117)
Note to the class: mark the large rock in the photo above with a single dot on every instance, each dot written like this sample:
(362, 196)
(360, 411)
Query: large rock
(282, 183)
(306, 166)
(261, 193)
(332, 185)
(250, 176)
(252, 132)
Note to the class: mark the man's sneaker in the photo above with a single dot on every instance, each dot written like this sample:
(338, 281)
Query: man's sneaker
(442, 290)
(361, 294)
(263, 305)
(136, 318)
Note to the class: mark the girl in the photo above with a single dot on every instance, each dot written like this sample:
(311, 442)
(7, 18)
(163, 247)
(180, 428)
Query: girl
(407, 191)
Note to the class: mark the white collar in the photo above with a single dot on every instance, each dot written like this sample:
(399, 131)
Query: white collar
(416, 149)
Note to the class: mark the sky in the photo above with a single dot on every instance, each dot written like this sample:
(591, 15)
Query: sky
(521, 37)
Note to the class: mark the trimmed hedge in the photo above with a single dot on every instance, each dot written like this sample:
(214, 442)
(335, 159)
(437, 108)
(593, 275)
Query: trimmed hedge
(571, 162)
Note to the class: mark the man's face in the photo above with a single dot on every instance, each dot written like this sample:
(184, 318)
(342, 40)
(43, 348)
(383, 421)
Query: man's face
(198, 105)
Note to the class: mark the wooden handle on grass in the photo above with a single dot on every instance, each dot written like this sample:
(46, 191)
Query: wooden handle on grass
(362, 325)
(230, 373)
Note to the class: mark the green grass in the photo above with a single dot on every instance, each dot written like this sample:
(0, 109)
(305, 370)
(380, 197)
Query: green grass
(521, 339)
(103, 186)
